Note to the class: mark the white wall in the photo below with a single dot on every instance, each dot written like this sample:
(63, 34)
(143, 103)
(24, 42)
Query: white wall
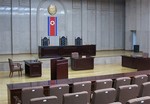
(5, 26)
(99, 22)
(138, 18)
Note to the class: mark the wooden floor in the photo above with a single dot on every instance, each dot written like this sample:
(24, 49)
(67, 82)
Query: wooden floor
(98, 70)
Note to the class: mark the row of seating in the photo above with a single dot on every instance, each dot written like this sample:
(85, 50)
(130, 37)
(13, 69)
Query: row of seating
(60, 95)
(75, 100)
(53, 100)
(62, 41)
(104, 91)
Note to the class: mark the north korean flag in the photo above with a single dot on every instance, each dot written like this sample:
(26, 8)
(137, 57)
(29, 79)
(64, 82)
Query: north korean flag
(52, 26)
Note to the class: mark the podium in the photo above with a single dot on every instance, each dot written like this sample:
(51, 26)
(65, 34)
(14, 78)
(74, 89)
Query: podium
(59, 68)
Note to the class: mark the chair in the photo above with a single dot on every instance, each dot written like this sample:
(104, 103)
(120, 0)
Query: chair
(122, 81)
(75, 98)
(63, 41)
(145, 89)
(102, 84)
(140, 100)
(104, 96)
(14, 67)
(82, 86)
(115, 103)
(59, 91)
(127, 92)
(139, 80)
(78, 41)
(28, 93)
(75, 55)
(45, 41)
(44, 100)
(145, 55)
(148, 76)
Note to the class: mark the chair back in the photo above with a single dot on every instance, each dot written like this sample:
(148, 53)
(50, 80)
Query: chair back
(102, 84)
(82, 86)
(45, 41)
(44, 100)
(59, 91)
(31, 92)
(104, 96)
(122, 81)
(127, 92)
(75, 98)
(145, 89)
(145, 55)
(116, 103)
(63, 41)
(75, 55)
(78, 41)
(139, 79)
(140, 100)
(11, 66)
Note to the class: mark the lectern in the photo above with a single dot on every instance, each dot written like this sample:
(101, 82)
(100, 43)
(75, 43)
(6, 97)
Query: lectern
(59, 68)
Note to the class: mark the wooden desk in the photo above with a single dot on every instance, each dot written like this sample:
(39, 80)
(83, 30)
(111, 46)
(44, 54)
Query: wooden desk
(65, 51)
(138, 63)
(15, 89)
(59, 68)
(82, 63)
(143, 64)
(33, 68)
(130, 62)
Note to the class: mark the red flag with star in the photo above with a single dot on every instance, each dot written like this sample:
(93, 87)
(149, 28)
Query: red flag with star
(52, 26)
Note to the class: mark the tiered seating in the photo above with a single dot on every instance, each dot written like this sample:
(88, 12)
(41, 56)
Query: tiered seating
(122, 90)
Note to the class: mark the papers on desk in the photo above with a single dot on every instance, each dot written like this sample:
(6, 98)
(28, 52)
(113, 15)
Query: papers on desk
(83, 56)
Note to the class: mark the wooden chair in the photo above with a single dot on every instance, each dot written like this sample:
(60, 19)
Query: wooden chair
(14, 67)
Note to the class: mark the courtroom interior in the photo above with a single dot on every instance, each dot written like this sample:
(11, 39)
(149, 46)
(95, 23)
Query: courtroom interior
(74, 51)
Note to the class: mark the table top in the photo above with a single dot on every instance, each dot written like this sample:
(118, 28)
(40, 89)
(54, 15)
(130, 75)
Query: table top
(31, 61)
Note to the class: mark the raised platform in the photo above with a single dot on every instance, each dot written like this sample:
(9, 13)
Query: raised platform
(102, 57)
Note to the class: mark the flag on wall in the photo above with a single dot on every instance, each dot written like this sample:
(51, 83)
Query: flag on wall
(52, 26)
